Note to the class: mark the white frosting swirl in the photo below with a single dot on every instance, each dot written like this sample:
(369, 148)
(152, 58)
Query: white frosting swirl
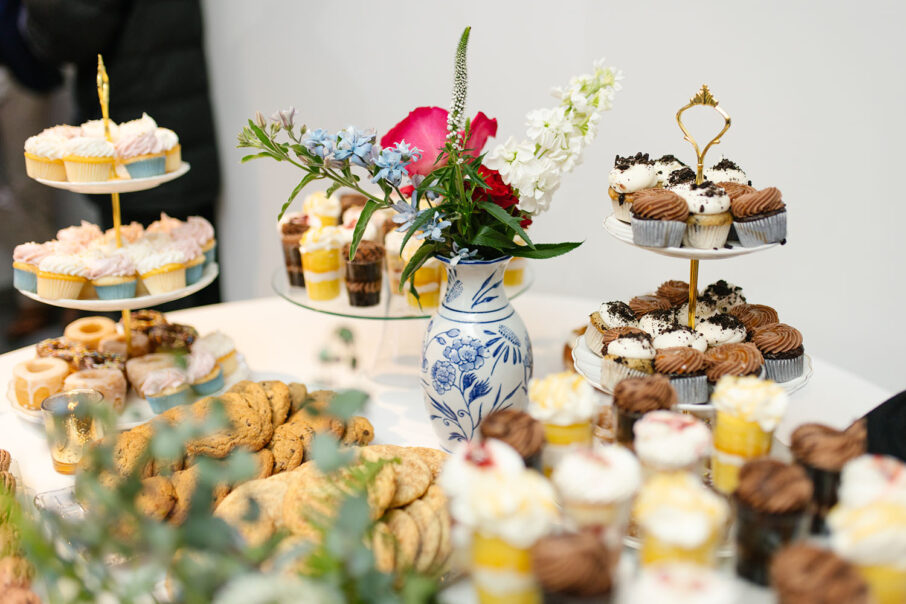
(161, 380)
(701, 203)
(81, 234)
(681, 337)
(678, 509)
(634, 178)
(670, 440)
(167, 138)
(751, 399)
(117, 264)
(725, 174)
(561, 399)
(133, 145)
(321, 238)
(138, 126)
(654, 325)
(82, 146)
(664, 168)
(473, 458)
(95, 129)
(63, 130)
(158, 259)
(612, 319)
(201, 364)
(871, 478)
(609, 474)
(165, 224)
(64, 264)
(681, 584)
(51, 146)
(318, 203)
(872, 534)
(631, 348)
(703, 310)
(217, 343)
(31, 252)
(716, 334)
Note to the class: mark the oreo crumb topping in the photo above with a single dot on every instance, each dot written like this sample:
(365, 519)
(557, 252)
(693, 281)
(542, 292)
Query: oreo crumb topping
(624, 163)
(681, 176)
(642, 337)
(666, 159)
(662, 315)
(680, 327)
(708, 189)
(726, 164)
(725, 321)
(621, 310)
(721, 288)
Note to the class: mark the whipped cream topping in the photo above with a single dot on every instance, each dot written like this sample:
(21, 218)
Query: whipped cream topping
(203, 229)
(869, 478)
(217, 343)
(721, 329)
(81, 234)
(473, 458)
(706, 198)
(157, 259)
(166, 224)
(617, 313)
(665, 166)
(632, 178)
(321, 238)
(188, 247)
(82, 146)
(160, 380)
(751, 399)
(681, 584)
(726, 171)
(669, 440)
(63, 130)
(348, 230)
(133, 145)
(31, 252)
(657, 322)
(130, 233)
(703, 309)
(64, 264)
(117, 264)
(677, 508)
(631, 348)
(139, 126)
(608, 474)
(95, 129)
(318, 203)
(166, 138)
(561, 399)
(393, 241)
(51, 146)
(201, 363)
(872, 534)
(681, 336)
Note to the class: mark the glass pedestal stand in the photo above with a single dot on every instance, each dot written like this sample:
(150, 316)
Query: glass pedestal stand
(394, 359)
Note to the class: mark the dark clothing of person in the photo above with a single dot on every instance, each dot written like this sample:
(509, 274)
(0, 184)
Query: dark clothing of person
(886, 426)
(26, 68)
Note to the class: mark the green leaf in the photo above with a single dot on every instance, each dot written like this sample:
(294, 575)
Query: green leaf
(311, 176)
(488, 236)
(326, 452)
(258, 156)
(347, 403)
(267, 142)
(542, 250)
(420, 256)
(503, 216)
(332, 189)
(419, 222)
(359, 231)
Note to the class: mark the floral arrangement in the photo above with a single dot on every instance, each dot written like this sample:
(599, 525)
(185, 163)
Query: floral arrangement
(431, 170)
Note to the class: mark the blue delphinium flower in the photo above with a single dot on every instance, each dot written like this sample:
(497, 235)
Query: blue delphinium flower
(319, 142)
(433, 231)
(355, 145)
(468, 353)
(461, 253)
(392, 161)
(406, 214)
(443, 375)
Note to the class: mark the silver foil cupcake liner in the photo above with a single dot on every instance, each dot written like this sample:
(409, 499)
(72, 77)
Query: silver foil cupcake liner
(657, 233)
(612, 373)
(706, 237)
(770, 229)
(690, 389)
(594, 339)
(621, 210)
(784, 370)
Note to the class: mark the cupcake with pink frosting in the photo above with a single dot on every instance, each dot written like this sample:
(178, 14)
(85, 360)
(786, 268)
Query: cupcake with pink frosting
(26, 258)
(191, 251)
(204, 234)
(112, 275)
(203, 372)
(169, 143)
(80, 235)
(166, 388)
(139, 149)
(166, 224)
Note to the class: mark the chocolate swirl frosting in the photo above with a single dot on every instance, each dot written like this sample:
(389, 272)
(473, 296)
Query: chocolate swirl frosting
(660, 204)
(644, 394)
(824, 448)
(574, 564)
(677, 292)
(642, 305)
(777, 338)
(806, 574)
(679, 360)
(754, 316)
(759, 203)
(517, 429)
(771, 486)
(621, 332)
(732, 359)
(735, 189)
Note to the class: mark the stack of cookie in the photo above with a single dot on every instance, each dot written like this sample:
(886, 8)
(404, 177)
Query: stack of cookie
(413, 525)
(273, 420)
(16, 572)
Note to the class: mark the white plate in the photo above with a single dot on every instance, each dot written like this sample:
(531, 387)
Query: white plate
(117, 186)
(136, 410)
(588, 365)
(210, 273)
(623, 232)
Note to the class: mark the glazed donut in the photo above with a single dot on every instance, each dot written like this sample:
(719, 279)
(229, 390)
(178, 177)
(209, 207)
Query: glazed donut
(109, 382)
(117, 345)
(63, 349)
(144, 320)
(172, 338)
(137, 369)
(36, 379)
(102, 360)
(88, 331)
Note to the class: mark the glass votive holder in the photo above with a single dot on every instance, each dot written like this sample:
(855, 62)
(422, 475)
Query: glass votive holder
(70, 423)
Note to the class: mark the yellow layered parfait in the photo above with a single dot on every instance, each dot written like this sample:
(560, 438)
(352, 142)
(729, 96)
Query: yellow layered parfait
(426, 279)
(868, 526)
(748, 411)
(321, 209)
(321, 263)
(681, 520)
(564, 403)
(514, 275)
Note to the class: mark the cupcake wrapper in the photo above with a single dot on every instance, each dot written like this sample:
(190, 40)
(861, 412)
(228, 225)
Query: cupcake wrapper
(145, 168)
(162, 283)
(612, 373)
(193, 273)
(657, 233)
(770, 229)
(47, 170)
(173, 159)
(784, 370)
(209, 255)
(159, 404)
(594, 339)
(706, 237)
(117, 291)
(211, 386)
(59, 289)
(621, 211)
(27, 281)
(690, 390)
(77, 171)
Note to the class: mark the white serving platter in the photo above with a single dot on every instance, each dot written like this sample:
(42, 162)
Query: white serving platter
(130, 185)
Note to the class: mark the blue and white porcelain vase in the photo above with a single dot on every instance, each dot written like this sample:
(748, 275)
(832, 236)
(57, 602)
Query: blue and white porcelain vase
(476, 357)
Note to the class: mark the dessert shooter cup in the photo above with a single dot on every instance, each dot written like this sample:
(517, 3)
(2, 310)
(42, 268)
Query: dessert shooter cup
(427, 282)
(887, 582)
(655, 550)
(561, 439)
(514, 274)
(321, 269)
(759, 535)
(502, 572)
(736, 441)
(625, 422)
(827, 484)
(70, 425)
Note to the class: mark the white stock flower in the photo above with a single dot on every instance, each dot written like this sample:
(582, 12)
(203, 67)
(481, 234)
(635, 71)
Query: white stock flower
(503, 157)
(549, 127)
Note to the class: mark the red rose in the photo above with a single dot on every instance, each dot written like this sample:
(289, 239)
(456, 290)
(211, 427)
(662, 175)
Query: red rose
(498, 192)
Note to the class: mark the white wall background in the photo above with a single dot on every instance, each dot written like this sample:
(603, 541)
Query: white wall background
(815, 91)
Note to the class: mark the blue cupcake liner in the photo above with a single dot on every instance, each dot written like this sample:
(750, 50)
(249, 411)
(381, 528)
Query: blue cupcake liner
(117, 291)
(159, 404)
(27, 281)
(144, 168)
(209, 255)
(193, 273)
(211, 386)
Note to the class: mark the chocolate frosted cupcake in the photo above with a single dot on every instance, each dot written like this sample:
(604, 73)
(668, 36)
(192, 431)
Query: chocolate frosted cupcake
(573, 568)
(352, 200)
(292, 227)
(675, 291)
(733, 359)
(634, 397)
(781, 346)
(685, 367)
(805, 574)
(629, 175)
(363, 273)
(771, 500)
(823, 451)
(759, 217)
(642, 305)
(754, 316)
(723, 295)
(735, 189)
(658, 218)
(519, 430)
